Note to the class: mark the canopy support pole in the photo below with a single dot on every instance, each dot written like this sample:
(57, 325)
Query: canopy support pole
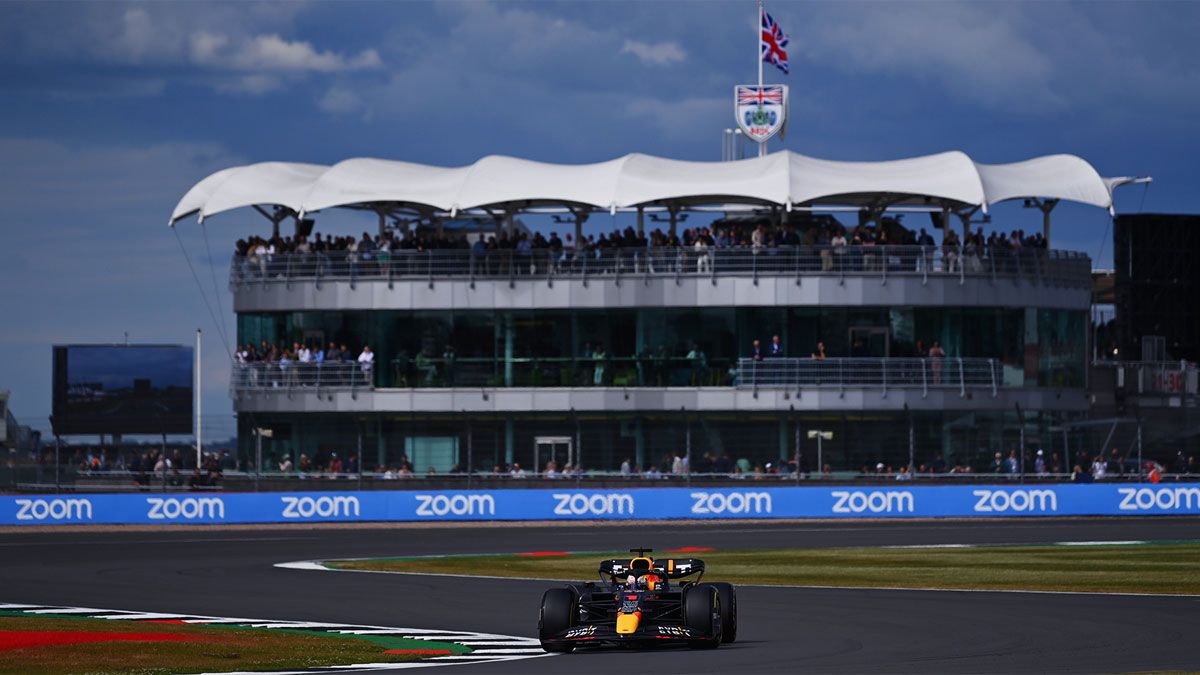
(641, 220)
(673, 210)
(1045, 206)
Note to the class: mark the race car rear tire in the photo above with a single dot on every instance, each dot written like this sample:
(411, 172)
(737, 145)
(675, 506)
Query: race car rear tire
(728, 598)
(557, 615)
(699, 603)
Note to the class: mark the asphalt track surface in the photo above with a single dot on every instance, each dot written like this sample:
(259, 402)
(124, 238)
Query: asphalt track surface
(231, 573)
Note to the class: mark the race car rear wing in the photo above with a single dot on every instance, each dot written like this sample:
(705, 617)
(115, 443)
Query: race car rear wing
(672, 568)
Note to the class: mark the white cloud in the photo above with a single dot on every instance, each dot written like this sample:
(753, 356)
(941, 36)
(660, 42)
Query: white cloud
(342, 101)
(657, 54)
(683, 118)
(273, 53)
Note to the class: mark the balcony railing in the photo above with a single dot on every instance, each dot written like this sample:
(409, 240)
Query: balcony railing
(292, 375)
(1063, 268)
(955, 374)
(958, 374)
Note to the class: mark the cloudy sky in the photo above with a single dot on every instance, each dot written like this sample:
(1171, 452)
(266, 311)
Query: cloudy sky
(110, 111)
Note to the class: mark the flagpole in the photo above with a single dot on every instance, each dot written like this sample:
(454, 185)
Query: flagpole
(762, 145)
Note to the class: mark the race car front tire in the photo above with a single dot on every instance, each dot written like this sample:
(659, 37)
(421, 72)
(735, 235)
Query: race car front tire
(728, 599)
(558, 612)
(699, 605)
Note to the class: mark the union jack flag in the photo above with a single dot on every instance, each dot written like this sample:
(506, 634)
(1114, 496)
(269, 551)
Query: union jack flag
(774, 43)
(760, 96)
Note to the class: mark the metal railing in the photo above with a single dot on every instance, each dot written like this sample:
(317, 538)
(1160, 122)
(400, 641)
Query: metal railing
(952, 373)
(1064, 268)
(291, 375)
(840, 373)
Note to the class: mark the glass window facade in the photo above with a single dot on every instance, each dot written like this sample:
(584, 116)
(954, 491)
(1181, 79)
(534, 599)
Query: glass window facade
(673, 346)
(718, 442)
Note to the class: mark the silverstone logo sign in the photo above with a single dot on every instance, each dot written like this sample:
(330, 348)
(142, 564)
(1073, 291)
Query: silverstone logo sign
(761, 112)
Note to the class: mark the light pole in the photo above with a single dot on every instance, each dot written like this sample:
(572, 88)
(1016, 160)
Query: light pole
(259, 433)
(820, 436)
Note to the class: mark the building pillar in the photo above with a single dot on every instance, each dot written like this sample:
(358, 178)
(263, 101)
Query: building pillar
(508, 349)
(783, 440)
(508, 443)
(380, 445)
(639, 443)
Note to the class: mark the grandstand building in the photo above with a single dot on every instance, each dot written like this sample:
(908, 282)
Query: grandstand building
(638, 348)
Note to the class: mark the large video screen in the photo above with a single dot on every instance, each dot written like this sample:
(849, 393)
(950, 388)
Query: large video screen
(116, 389)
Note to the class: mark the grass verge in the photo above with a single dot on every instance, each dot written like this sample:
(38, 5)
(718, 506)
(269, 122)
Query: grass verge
(184, 648)
(1168, 568)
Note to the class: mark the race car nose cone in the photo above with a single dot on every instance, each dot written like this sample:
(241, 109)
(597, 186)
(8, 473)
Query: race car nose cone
(628, 623)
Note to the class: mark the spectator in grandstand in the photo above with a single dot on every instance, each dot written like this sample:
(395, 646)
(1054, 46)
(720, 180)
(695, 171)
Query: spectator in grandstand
(600, 362)
(698, 362)
(998, 463)
(756, 351)
(1013, 464)
(1115, 466)
(627, 467)
(1098, 467)
(1078, 475)
(653, 473)
(1056, 465)
(366, 359)
(517, 471)
(551, 471)
(286, 465)
(333, 354)
(1039, 463)
(936, 355)
(1154, 472)
(335, 465)
(775, 350)
(819, 353)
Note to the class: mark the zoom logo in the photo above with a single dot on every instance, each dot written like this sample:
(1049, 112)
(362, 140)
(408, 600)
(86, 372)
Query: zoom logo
(186, 508)
(579, 504)
(459, 505)
(324, 507)
(734, 502)
(999, 501)
(54, 509)
(1165, 499)
(872, 501)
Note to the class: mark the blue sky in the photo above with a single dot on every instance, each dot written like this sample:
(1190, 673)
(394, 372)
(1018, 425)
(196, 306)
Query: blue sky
(110, 111)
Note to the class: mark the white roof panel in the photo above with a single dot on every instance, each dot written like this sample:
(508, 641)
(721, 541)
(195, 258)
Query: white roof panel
(780, 178)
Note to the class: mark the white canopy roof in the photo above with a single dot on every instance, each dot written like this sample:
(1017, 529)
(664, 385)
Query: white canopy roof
(784, 178)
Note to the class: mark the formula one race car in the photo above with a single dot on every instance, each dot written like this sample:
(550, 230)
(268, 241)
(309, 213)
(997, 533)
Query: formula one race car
(637, 602)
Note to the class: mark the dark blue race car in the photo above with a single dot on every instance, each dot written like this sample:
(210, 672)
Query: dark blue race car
(640, 601)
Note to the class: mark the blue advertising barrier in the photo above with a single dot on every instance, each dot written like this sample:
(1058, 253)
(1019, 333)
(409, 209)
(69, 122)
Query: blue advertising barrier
(567, 503)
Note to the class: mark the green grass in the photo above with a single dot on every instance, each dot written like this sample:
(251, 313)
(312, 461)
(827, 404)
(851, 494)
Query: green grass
(209, 649)
(1144, 568)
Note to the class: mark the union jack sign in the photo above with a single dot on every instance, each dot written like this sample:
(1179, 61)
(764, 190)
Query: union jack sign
(760, 111)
